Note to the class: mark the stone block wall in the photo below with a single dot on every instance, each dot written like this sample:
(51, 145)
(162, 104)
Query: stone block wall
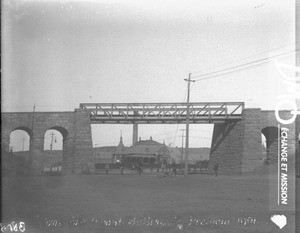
(252, 155)
(298, 145)
(74, 126)
(226, 147)
(83, 145)
(237, 146)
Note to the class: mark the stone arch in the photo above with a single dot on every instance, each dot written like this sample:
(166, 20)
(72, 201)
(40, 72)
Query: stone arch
(24, 128)
(28, 136)
(264, 147)
(54, 138)
(272, 140)
(55, 149)
(64, 132)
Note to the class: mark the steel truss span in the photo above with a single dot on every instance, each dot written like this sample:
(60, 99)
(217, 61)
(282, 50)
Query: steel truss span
(163, 113)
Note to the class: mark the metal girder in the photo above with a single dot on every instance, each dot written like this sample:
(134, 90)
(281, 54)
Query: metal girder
(163, 113)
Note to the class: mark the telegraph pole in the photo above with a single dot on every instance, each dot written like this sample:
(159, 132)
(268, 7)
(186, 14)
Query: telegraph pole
(182, 136)
(51, 145)
(187, 124)
(32, 142)
(181, 159)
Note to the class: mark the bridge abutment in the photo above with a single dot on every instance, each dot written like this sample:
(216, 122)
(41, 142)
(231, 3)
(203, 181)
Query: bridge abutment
(252, 149)
(237, 145)
(226, 148)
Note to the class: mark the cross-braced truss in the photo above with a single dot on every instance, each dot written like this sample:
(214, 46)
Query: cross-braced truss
(168, 113)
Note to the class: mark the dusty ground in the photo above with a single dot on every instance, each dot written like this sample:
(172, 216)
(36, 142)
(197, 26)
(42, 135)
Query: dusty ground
(131, 203)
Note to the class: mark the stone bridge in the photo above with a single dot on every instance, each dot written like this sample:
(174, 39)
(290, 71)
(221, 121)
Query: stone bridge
(75, 128)
(236, 143)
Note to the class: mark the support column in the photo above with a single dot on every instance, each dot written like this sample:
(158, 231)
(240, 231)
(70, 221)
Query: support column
(6, 130)
(36, 153)
(68, 156)
(226, 148)
(5, 142)
(83, 147)
(135, 133)
(236, 145)
(252, 155)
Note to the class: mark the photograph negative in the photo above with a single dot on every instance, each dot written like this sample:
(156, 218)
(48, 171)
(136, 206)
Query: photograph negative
(141, 116)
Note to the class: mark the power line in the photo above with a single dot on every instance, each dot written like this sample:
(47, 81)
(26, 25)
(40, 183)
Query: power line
(265, 60)
(233, 71)
(227, 63)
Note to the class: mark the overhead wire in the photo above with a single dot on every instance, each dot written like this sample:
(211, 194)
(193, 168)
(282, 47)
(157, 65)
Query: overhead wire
(233, 71)
(245, 58)
(245, 65)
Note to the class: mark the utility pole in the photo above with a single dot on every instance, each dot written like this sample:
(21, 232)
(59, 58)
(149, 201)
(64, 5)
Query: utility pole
(182, 136)
(187, 124)
(32, 142)
(51, 145)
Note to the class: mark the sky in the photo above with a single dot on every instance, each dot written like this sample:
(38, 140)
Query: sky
(58, 54)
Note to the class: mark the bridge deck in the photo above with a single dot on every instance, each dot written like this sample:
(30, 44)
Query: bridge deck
(167, 113)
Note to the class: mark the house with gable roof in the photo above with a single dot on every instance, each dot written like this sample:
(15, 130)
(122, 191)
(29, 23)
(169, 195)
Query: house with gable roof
(145, 152)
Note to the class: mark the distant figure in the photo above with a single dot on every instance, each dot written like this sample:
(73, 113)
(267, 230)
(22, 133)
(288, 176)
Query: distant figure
(122, 170)
(174, 168)
(139, 169)
(106, 168)
(216, 168)
(133, 168)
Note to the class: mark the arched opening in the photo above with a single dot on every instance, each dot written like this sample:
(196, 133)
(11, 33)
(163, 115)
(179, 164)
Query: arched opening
(264, 147)
(271, 143)
(54, 149)
(19, 140)
(19, 147)
(53, 140)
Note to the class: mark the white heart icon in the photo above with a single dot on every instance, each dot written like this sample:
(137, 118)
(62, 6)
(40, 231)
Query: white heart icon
(279, 220)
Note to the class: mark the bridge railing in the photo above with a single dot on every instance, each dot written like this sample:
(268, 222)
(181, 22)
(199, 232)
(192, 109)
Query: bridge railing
(130, 112)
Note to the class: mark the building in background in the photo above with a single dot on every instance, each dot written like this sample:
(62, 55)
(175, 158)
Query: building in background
(104, 154)
(146, 152)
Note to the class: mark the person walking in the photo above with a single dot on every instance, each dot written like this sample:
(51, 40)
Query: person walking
(139, 169)
(174, 168)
